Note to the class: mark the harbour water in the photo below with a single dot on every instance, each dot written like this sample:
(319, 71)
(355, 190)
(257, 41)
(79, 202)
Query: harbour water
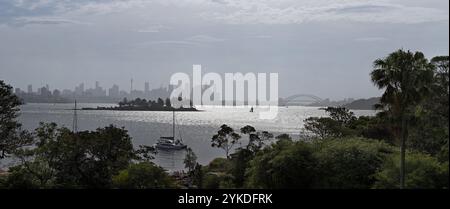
(195, 128)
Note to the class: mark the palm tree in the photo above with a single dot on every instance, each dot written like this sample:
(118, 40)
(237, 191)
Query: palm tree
(406, 78)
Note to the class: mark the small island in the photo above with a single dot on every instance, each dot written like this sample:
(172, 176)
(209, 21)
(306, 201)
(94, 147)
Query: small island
(139, 104)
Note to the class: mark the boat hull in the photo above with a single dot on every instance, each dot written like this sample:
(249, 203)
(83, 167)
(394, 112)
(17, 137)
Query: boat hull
(170, 147)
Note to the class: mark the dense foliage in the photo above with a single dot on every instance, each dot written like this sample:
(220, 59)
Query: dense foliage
(12, 136)
(60, 158)
(144, 175)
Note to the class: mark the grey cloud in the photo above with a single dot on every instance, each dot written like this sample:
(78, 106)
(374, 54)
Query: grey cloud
(219, 1)
(197, 40)
(23, 21)
(238, 11)
(205, 39)
(297, 12)
(363, 9)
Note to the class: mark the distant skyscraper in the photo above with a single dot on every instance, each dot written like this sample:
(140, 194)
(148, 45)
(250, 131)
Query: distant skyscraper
(30, 89)
(18, 91)
(44, 91)
(147, 88)
(79, 90)
(114, 91)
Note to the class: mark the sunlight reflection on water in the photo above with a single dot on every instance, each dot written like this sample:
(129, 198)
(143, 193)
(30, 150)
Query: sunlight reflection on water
(196, 128)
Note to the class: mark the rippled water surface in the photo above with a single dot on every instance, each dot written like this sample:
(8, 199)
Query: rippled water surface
(196, 128)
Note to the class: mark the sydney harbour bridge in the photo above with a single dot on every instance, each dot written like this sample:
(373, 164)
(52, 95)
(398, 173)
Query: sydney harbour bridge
(299, 99)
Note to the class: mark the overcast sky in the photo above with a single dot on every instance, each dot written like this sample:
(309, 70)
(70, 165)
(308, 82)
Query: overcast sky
(321, 47)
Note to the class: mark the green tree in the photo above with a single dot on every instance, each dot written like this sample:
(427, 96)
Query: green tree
(423, 172)
(240, 163)
(323, 127)
(211, 181)
(283, 165)
(340, 114)
(372, 127)
(441, 64)
(348, 162)
(145, 153)
(431, 127)
(405, 77)
(12, 136)
(255, 139)
(36, 162)
(252, 136)
(168, 103)
(160, 102)
(32, 175)
(336, 125)
(85, 159)
(124, 102)
(144, 175)
(215, 172)
(190, 160)
(225, 139)
(197, 175)
(284, 137)
(219, 165)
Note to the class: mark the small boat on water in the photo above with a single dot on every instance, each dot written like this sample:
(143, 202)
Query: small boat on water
(170, 142)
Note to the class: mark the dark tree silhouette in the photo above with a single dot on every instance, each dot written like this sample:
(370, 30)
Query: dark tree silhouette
(406, 78)
(12, 136)
(168, 104)
(225, 139)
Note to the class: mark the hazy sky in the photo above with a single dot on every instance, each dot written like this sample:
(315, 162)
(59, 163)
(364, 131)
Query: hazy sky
(321, 47)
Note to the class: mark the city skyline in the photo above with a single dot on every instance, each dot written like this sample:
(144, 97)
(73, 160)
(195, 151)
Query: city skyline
(96, 89)
(82, 93)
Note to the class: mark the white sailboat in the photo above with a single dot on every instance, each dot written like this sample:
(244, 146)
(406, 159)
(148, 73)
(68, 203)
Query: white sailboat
(170, 142)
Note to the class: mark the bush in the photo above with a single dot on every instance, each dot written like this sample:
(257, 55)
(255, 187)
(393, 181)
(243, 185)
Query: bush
(145, 175)
(219, 165)
(63, 159)
(422, 172)
(348, 163)
(240, 162)
(283, 165)
(329, 163)
(30, 175)
(211, 181)
(18, 178)
(217, 174)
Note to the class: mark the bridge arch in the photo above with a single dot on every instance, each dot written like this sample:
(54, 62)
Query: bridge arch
(301, 99)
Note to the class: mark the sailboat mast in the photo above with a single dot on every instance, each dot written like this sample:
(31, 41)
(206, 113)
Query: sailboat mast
(75, 119)
(173, 125)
